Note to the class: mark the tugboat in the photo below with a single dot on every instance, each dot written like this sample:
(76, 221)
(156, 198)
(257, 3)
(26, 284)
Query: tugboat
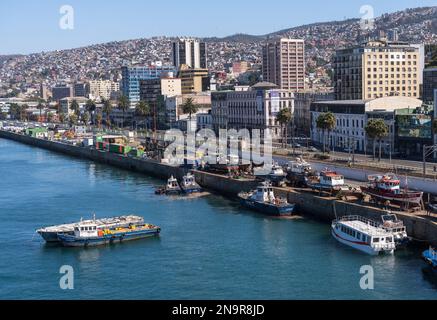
(298, 173)
(171, 188)
(189, 184)
(88, 234)
(430, 257)
(363, 234)
(391, 223)
(329, 181)
(50, 234)
(388, 188)
(263, 199)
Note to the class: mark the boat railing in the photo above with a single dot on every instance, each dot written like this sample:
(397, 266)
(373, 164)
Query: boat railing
(358, 218)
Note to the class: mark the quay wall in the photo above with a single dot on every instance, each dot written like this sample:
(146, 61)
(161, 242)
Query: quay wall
(145, 166)
(308, 203)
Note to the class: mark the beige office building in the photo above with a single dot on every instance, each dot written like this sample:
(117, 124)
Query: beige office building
(378, 69)
(284, 63)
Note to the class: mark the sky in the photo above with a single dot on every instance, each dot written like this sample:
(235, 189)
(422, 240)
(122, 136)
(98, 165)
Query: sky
(29, 26)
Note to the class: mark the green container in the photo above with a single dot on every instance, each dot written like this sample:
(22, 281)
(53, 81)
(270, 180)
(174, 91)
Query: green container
(136, 153)
(119, 148)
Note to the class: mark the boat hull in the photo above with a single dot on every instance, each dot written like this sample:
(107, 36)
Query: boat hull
(411, 197)
(361, 246)
(269, 209)
(429, 258)
(72, 241)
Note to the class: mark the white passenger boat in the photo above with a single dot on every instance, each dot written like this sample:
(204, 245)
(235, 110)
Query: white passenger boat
(391, 223)
(363, 234)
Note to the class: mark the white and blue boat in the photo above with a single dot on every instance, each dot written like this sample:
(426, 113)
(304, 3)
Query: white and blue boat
(88, 234)
(171, 188)
(189, 185)
(263, 199)
(430, 256)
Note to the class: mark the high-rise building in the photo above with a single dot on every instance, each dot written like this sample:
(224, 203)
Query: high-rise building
(378, 69)
(80, 89)
(131, 77)
(284, 63)
(189, 52)
(193, 80)
(43, 92)
(105, 89)
(61, 91)
(429, 84)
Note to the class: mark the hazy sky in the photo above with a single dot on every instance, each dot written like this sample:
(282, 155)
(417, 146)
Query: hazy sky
(28, 26)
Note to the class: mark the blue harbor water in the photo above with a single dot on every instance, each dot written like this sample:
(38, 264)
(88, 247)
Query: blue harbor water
(210, 248)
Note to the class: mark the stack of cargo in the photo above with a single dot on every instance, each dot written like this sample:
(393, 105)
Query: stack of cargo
(119, 148)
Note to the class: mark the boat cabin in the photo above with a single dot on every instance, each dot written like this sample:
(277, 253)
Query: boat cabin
(299, 166)
(172, 183)
(386, 183)
(331, 178)
(264, 193)
(86, 230)
(188, 180)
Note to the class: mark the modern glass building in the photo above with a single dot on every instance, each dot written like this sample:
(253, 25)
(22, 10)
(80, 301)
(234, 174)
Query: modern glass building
(131, 77)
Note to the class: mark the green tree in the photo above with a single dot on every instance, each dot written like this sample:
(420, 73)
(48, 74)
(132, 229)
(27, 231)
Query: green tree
(123, 105)
(142, 110)
(75, 107)
(99, 119)
(326, 122)
(376, 129)
(85, 118)
(73, 119)
(40, 106)
(189, 107)
(49, 117)
(284, 118)
(107, 109)
(61, 117)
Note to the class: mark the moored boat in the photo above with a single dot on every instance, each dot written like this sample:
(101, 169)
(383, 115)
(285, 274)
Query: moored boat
(276, 175)
(189, 185)
(50, 234)
(88, 234)
(329, 181)
(391, 223)
(171, 188)
(388, 188)
(299, 173)
(363, 234)
(263, 199)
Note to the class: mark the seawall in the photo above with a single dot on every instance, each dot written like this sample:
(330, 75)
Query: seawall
(309, 204)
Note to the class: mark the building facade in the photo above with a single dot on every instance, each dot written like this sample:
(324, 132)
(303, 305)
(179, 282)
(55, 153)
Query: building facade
(105, 89)
(255, 108)
(189, 52)
(378, 69)
(80, 89)
(61, 92)
(284, 63)
(429, 84)
(352, 117)
(131, 77)
(193, 80)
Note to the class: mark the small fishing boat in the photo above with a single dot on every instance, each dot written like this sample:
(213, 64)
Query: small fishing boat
(392, 224)
(88, 234)
(189, 185)
(329, 181)
(276, 175)
(263, 199)
(430, 256)
(171, 188)
(50, 234)
(299, 172)
(388, 188)
(363, 234)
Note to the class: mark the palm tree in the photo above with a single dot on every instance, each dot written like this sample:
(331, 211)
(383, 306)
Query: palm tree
(75, 107)
(99, 119)
(40, 106)
(123, 104)
(107, 109)
(73, 118)
(142, 109)
(61, 117)
(326, 122)
(284, 117)
(376, 129)
(189, 107)
(85, 118)
(90, 107)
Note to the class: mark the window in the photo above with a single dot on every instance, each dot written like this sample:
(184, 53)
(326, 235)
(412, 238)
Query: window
(375, 240)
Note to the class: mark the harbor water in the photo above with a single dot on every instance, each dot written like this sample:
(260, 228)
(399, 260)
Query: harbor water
(209, 248)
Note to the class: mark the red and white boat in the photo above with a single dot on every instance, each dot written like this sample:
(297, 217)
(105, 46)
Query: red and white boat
(388, 188)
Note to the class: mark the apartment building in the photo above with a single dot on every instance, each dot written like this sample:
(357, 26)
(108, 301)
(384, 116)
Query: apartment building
(284, 63)
(378, 69)
(190, 52)
(105, 89)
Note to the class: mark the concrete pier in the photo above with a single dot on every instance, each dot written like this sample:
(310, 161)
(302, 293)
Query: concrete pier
(420, 227)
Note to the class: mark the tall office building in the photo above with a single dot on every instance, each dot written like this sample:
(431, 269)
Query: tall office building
(131, 77)
(429, 85)
(61, 91)
(378, 69)
(80, 89)
(105, 89)
(189, 52)
(284, 63)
